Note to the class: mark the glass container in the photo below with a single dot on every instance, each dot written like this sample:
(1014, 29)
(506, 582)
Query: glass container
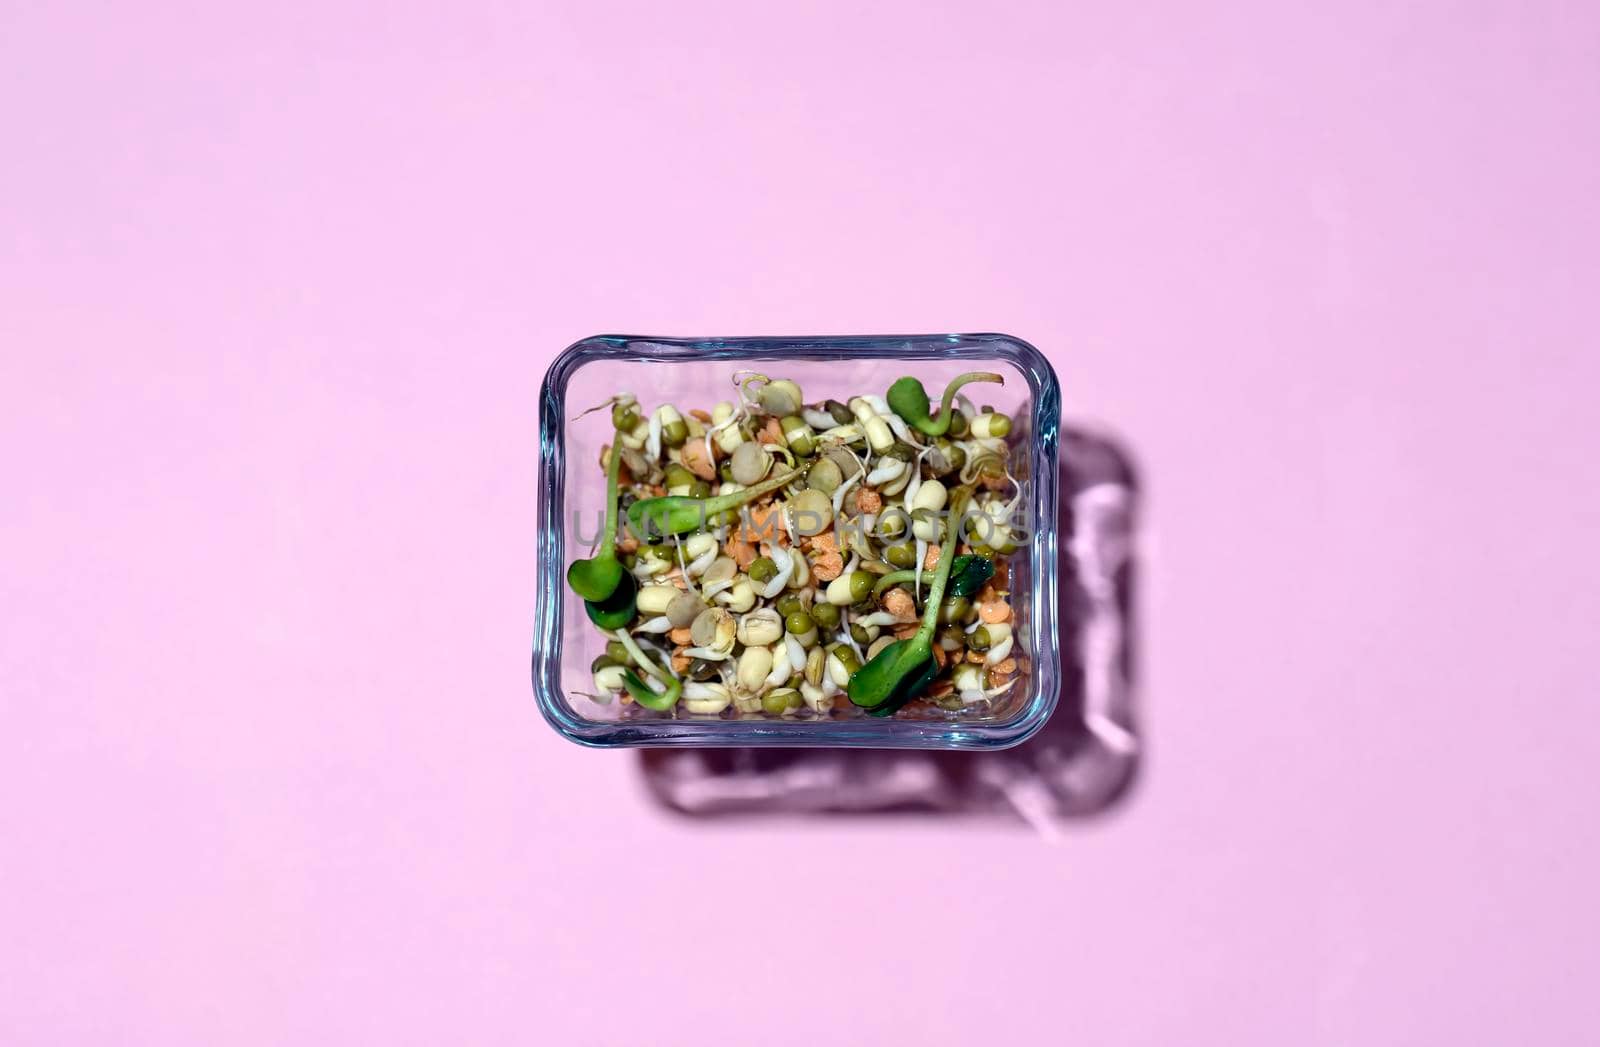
(696, 373)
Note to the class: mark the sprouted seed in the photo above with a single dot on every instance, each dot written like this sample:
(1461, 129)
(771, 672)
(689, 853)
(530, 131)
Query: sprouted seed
(782, 558)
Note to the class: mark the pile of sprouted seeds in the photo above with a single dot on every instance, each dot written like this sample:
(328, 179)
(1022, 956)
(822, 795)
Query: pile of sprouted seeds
(775, 556)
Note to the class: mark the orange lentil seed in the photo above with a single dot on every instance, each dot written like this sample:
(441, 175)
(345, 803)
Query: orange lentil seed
(997, 611)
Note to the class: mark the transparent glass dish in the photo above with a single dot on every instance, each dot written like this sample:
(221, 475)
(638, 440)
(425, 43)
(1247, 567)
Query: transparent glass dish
(696, 373)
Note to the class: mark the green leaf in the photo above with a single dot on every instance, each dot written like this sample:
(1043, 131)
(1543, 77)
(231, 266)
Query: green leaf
(616, 610)
(909, 400)
(912, 688)
(968, 574)
(896, 675)
(595, 579)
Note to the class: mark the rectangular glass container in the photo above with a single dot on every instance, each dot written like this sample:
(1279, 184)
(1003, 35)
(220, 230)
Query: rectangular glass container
(691, 373)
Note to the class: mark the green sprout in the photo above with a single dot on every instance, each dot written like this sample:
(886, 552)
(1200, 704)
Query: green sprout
(641, 691)
(598, 577)
(909, 400)
(654, 518)
(905, 668)
(648, 698)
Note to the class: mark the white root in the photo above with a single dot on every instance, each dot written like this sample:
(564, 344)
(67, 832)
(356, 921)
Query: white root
(879, 436)
(914, 484)
(754, 665)
(814, 697)
(646, 569)
(715, 431)
(698, 565)
(901, 429)
(635, 438)
(802, 572)
(973, 695)
(843, 435)
(844, 628)
(654, 626)
(740, 598)
(796, 651)
(837, 673)
(886, 470)
(683, 566)
(637, 654)
(838, 591)
(844, 488)
(818, 420)
(879, 404)
(705, 698)
(652, 443)
(706, 654)
(743, 379)
(776, 584)
(622, 399)
(608, 680)
(782, 667)
(998, 652)
(894, 487)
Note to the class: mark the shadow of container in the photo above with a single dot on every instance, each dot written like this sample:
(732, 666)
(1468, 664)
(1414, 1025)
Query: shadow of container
(1080, 763)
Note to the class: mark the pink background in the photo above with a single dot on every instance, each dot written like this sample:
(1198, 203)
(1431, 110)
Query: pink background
(277, 287)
